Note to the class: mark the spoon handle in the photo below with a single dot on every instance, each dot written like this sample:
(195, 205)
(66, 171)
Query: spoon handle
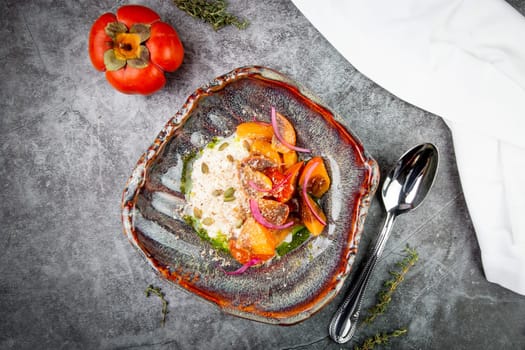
(344, 322)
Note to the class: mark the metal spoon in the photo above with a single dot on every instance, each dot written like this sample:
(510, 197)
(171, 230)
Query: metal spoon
(404, 189)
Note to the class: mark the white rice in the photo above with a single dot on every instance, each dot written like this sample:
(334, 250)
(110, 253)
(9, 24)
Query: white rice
(217, 216)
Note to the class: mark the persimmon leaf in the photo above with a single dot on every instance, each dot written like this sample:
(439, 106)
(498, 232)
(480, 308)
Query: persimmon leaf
(111, 62)
(142, 61)
(114, 28)
(142, 30)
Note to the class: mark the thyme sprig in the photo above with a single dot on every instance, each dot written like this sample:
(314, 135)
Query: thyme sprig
(384, 297)
(213, 12)
(380, 339)
(156, 290)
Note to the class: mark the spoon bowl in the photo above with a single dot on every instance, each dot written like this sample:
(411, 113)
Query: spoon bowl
(408, 183)
(404, 189)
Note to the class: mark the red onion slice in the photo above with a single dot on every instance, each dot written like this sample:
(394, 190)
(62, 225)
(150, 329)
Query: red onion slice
(254, 207)
(258, 188)
(281, 139)
(244, 267)
(307, 176)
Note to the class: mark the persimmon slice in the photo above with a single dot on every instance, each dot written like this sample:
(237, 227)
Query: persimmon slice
(254, 130)
(319, 181)
(287, 132)
(309, 219)
(264, 147)
(273, 211)
(254, 241)
(289, 159)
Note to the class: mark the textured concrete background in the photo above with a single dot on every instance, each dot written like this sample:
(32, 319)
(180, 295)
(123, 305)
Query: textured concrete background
(70, 279)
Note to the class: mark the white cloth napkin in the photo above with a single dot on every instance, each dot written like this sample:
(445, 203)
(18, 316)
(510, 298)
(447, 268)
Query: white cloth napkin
(463, 60)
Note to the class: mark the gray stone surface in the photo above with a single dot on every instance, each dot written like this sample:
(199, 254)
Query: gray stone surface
(70, 279)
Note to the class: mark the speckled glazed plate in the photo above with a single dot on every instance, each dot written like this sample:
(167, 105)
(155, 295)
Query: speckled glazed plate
(289, 289)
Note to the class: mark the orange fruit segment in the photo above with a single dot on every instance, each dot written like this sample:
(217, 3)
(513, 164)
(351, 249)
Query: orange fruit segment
(273, 211)
(287, 132)
(289, 159)
(263, 147)
(310, 221)
(319, 181)
(254, 130)
(254, 241)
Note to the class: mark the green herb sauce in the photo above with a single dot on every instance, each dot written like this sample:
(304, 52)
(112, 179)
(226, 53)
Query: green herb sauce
(299, 235)
(220, 242)
(185, 181)
(214, 141)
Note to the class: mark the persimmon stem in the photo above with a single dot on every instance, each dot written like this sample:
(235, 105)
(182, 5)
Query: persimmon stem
(125, 46)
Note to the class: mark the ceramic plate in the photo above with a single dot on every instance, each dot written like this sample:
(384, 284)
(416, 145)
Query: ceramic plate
(289, 289)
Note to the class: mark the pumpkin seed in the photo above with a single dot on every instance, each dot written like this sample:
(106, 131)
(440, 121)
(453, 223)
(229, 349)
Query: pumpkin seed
(208, 221)
(197, 212)
(223, 146)
(204, 168)
(229, 192)
(230, 158)
(238, 223)
(246, 145)
(217, 192)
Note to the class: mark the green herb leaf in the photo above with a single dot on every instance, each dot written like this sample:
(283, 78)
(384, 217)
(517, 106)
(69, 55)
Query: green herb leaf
(156, 290)
(380, 339)
(385, 295)
(213, 12)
